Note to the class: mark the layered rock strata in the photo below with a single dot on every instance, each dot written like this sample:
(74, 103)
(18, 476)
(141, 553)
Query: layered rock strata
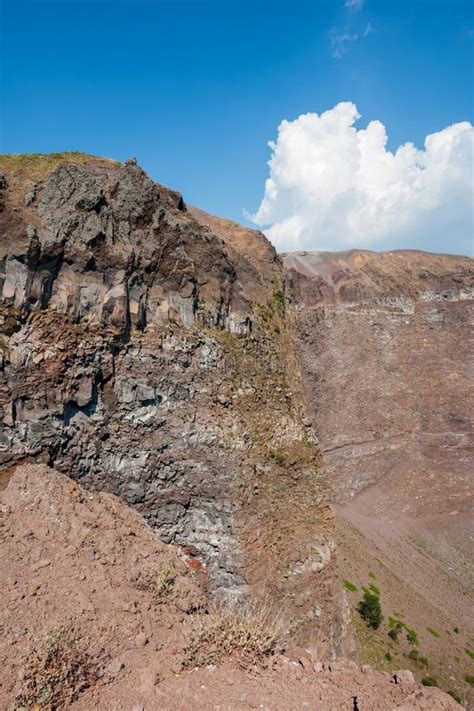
(385, 343)
(146, 352)
(385, 346)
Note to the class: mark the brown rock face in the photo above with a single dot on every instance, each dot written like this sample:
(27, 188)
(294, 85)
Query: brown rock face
(146, 353)
(385, 346)
(102, 240)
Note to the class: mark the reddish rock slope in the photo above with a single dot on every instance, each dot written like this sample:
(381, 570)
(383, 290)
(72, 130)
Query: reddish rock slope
(386, 349)
(71, 557)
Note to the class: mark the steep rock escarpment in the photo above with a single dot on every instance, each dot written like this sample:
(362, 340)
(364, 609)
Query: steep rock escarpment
(385, 347)
(145, 352)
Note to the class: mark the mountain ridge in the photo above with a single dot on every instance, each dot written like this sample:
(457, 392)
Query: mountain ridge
(154, 351)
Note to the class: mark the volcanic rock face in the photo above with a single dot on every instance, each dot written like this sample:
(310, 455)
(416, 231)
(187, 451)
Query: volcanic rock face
(385, 347)
(145, 352)
(385, 343)
(90, 247)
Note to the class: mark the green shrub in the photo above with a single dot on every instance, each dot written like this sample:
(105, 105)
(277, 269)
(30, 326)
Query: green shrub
(350, 586)
(159, 582)
(435, 633)
(469, 653)
(455, 696)
(388, 657)
(369, 609)
(371, 575)
(469, 678)
(429, 681)
(395, 631)
(412, 636)
(374, 589)
(417, 657)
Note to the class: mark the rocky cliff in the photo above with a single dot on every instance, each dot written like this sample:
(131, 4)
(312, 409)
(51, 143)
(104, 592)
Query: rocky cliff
(146, 352)
(385, 347)
(385, 344)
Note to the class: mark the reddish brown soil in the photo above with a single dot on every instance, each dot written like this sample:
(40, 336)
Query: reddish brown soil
(72, 557)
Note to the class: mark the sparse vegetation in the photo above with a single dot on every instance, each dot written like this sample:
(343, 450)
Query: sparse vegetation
(469, 653)
(469, 679)
(371, 575)
(396, 626)
(249, 635)
(412, 636)
(417, 657)
(350, 586)
(278, 458)
(159, 582)
(388, 657)
(374, 589)
(56, 672)
(429, 681)
(434, 632)
(455, 696)
(370, 610)
(395, 630)
(36, 166)
(164, 582)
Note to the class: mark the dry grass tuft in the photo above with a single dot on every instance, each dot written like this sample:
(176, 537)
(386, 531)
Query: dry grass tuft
(249, 635)
(56, 672)
(159, 582)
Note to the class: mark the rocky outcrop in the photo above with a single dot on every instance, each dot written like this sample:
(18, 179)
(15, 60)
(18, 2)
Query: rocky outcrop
(89, 247)
(146, 352)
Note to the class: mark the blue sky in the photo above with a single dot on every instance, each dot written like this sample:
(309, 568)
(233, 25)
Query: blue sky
(195, 90)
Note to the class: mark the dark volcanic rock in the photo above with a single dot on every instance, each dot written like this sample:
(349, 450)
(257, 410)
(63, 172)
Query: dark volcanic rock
(107, 243)
(146, 353)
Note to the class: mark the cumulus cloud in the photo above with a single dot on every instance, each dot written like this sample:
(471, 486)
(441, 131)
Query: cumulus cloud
(333, 186)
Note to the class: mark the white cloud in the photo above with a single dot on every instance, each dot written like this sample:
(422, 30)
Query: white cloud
(354, 3)
(340, 43)
(332, 186)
